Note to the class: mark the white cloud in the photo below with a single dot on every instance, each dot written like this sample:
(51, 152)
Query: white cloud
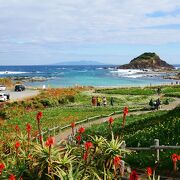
(80, 22)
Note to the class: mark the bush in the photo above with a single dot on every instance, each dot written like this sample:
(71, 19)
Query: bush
(45, 102)
(70, 98)
(3, 114)
(62, 100)
(166, 102)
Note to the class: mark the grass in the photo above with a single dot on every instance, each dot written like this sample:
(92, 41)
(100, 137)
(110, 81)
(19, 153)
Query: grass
(6, 82)
(55, 116)
(128, 91)
(140, 91)
(102, 129)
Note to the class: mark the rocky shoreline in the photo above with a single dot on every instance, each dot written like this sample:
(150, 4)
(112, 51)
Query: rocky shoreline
(29, 79)
(175, 76)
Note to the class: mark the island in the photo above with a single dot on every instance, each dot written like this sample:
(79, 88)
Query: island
(147, 60)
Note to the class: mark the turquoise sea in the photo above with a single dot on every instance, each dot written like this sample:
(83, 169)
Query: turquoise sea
(66, 76)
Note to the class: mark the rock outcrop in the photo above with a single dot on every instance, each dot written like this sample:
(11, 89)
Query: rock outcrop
(147, 61)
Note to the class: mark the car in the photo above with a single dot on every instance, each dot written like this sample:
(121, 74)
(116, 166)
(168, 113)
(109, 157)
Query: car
(3, 97)
(19, 87)
(2, 88)
(7, 95)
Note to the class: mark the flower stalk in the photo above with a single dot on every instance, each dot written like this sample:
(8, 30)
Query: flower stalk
(38, 117)
(125, 112)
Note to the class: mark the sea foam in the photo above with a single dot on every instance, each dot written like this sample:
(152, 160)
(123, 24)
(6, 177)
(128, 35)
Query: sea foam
(12, 72)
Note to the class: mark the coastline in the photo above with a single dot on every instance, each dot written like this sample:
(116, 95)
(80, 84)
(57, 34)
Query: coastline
(96, 76)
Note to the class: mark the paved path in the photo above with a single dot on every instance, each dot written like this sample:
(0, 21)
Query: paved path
(64, 134)
(16, 96)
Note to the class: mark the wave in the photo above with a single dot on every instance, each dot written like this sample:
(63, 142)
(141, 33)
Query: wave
(38, 72)
(126, 71)
(135, 76)
(83, 71)
(13, 72)
(62, 68)
(130, 73)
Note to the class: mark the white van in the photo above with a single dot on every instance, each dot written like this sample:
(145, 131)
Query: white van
(2, 88)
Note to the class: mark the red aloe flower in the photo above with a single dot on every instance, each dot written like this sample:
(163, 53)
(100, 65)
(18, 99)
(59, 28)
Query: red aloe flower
(149, 171)
(39, 116)
(116, 161)
(88, 145)
(2, 166)
(133, 175)
(17, 128)
(78, 138)
(110, 120)
(175, 157)
(178, 158)
(17, 145)
(72, 124)
(85, 156)
(125, 111)
(28, 128)
(81, 130)
(12, 177)
(50, 141)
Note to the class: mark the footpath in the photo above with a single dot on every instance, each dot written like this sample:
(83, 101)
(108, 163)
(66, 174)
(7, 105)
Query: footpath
(65, 133)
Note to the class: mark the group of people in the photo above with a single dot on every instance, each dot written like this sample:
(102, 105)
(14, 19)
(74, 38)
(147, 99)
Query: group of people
(155, 104)
(101, 101)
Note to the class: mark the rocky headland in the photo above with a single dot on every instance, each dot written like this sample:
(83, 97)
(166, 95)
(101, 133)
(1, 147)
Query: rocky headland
(147, 60)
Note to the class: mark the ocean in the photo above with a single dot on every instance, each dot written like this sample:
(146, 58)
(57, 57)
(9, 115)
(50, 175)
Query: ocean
(69, 76)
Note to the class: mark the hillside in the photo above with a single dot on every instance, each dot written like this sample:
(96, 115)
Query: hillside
(147, 61)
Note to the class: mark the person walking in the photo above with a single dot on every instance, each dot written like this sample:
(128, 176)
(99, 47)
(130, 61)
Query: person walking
(158, 103)
(99, 101)
(104, 101)
(159, 91)
(94, 101)
(112, 101)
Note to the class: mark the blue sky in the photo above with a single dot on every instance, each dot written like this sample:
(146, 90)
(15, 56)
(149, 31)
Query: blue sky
(109, 31)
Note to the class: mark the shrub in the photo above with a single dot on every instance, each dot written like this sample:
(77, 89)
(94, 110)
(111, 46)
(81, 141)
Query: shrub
(62, 100)
(3, 114)
(45, 102)
(70, 98)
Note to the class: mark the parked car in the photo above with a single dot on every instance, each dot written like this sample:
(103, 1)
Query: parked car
(2, 88)
(7, 95)
(4, 97)
(19, 87)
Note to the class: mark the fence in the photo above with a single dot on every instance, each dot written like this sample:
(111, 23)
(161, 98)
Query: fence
(156, 147)
(57, 129)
